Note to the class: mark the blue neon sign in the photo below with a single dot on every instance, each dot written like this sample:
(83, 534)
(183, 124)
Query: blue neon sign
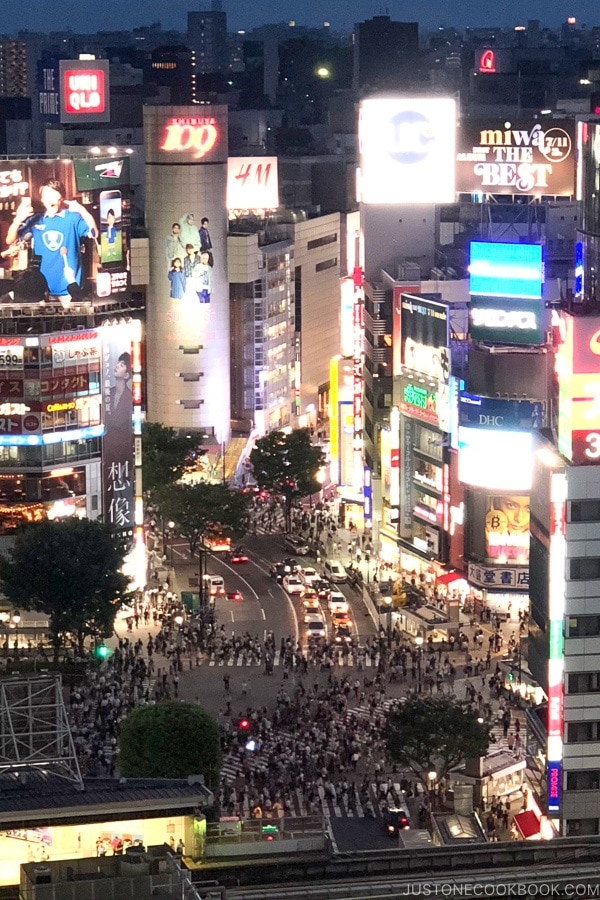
(506, 270)
(51, 437)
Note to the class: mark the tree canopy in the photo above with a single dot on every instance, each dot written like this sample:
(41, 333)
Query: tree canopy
(201, 509)
(287, 464)
(165, 455)
(170, 740)
(430, 734)
(70, 570)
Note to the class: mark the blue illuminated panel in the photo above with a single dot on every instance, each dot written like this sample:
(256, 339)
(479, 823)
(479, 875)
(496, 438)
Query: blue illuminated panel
(554, 779)
(506, 270)
(52, 437)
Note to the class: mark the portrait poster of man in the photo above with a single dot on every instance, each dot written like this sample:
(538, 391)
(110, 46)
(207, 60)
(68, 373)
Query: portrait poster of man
(507, 529)
(117, 444)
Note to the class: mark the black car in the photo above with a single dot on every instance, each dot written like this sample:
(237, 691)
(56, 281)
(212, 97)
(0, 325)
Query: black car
(323, 589)
(291, 565)
(278, 572)
(396, 819)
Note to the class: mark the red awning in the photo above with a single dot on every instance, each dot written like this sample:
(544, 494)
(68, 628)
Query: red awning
(528, 823)
(449, 577)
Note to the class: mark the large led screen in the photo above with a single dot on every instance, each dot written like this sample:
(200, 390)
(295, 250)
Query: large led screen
(407, 150)
(507, 529)
(495, 459)
(424, 336)
(65, 229)
(506, 270)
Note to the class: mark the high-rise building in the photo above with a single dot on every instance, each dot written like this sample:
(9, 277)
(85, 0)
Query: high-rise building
(13, 68)
(207, 39)
(385, 54)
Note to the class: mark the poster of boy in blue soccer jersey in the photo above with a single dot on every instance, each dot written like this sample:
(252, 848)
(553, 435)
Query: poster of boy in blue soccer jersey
(56, 233)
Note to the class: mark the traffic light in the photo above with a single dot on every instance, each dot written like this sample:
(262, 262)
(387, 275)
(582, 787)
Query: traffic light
(511, 676)
(102, 652)
(243, 725)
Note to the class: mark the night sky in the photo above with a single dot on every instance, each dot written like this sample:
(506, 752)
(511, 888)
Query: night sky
(114, 15)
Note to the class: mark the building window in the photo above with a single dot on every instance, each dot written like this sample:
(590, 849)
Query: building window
(584, 682)
(585, 568)
(583, 732)
(588, 780)
(583, 626)
(327, 264)
(577, 827)
(584, 511)
(321, 242)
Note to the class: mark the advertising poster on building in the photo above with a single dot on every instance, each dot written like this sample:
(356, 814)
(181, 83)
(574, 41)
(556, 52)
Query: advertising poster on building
(64, 230)
(424, 337)
(407, 150)
(118, 407)
(507, 529)
(495, 156)
(252, 183)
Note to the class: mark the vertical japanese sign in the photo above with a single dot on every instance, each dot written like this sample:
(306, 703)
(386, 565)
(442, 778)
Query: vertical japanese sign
(118, 402)
(357, 383)
(558, 492)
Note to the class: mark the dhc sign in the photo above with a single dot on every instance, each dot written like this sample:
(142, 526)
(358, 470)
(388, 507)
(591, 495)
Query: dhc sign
(506, 270)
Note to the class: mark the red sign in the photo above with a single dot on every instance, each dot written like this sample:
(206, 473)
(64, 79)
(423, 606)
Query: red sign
(487, 61)
(84, 91)
(196, 134)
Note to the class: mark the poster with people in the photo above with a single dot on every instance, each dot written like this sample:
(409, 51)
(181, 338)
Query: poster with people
(190, 260)
(507, 529)
(64, 230)
(117, 445)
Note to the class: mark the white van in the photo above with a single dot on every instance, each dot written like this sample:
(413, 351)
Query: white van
(214, 585)
(335, 571)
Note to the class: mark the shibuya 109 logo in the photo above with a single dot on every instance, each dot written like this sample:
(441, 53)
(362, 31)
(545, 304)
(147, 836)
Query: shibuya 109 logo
(196, 135)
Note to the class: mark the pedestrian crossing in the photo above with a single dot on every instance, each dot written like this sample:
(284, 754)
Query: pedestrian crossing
(340, 661)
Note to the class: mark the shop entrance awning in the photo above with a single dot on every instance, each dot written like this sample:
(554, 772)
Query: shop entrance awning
(528, 824)
(449, 577)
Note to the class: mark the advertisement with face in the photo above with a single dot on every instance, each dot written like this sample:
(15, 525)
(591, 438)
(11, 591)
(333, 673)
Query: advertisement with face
(424, 336)
(117, 445)
(520, 157)
(51, 236)
(507, 529)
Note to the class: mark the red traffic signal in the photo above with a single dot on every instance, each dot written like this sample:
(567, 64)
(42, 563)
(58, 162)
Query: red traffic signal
(244, 724)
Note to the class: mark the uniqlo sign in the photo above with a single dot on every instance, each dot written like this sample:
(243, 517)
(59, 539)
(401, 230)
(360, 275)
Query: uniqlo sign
(84, 91)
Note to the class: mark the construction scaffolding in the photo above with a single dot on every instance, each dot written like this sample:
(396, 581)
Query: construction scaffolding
(34, 728)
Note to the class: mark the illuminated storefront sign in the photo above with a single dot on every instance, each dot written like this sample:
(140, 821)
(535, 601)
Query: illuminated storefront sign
(252, 182)
(357, 392)
(407, 150)
(514, 578)
(419, 402)
(196, 135)
(496, 156)
(52, 437)
(556, 611)
(395, 457)
(368, 495)
(84, 91)
(506, 270)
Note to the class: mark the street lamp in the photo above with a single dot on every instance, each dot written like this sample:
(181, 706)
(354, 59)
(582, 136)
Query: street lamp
(388, 603)
(16, 618)
(171, 527)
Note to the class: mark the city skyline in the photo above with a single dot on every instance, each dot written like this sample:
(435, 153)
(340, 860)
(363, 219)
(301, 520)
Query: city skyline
(89, 17)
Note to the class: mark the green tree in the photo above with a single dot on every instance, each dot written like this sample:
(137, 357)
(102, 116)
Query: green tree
(434, 735)
(170, 740)
(165, 455)
(287, 464)
(70, 570)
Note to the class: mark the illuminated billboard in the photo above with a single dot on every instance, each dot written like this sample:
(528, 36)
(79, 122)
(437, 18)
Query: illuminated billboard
(520, 157)
(424, 336)
(497, 459)
(84, 91)
(252, 183)
(407, 150)
(556, 612)
(186, 134)
(493, 412)
(506, 270)
(577, 365)
(514, 322)
(119, 398)
(507, 529)
(78, 230)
